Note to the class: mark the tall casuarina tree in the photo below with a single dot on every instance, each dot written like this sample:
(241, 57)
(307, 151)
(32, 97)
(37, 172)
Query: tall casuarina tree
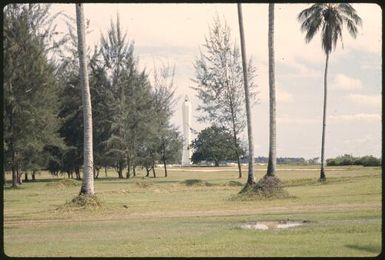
(88, 178)
(330, 18)
(272, 134)
(250, 175)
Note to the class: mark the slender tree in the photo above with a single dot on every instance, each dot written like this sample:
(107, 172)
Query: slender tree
(219, 80)
(272, 133)
(87, 187)
(330, 18)
(250, 175)
(163, 91)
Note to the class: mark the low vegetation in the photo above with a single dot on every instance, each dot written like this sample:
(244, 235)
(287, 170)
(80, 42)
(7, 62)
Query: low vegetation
(268, 187)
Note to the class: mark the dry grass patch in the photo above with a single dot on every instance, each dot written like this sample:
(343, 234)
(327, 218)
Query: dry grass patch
(268, 187)
(64, 183)
(82, 202)
(234, 183)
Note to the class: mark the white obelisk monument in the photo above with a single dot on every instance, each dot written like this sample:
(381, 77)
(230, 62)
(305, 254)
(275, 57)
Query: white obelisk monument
(186, 111)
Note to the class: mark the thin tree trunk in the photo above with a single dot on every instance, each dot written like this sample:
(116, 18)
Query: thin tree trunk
(33, 175)
(153, 170)
(18, 173)
(77, 173)
(128, 167)
(12, 148)
(14, 172)
(26, 176)
(322, 173)
(120, 170)
(165, 167)
(105, 171)
(88, 180)
(235, 138)
(271, 166)
(250, 174)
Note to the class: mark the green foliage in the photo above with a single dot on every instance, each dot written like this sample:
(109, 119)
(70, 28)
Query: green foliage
(330, 18)
(214, 144)
(30, 85)
(348, 159)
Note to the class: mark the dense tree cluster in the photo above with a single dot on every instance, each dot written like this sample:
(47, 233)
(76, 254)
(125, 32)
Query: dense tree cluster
(348, 159)
(215, 144)
(43, 119)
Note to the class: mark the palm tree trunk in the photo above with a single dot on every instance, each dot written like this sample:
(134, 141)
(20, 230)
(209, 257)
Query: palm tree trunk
(322, 174)
(88, 180)
(250, 175)
(272, 134)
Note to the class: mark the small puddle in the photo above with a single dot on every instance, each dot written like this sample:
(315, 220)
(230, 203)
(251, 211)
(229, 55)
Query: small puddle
(266, 225)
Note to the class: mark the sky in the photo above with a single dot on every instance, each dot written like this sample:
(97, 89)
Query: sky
(174, 33)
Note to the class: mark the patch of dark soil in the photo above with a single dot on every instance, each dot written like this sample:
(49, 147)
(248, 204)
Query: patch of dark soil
(196, 182)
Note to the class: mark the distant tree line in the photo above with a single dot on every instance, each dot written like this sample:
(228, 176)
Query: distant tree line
(348, 159)
(43, 122)
(283, 160)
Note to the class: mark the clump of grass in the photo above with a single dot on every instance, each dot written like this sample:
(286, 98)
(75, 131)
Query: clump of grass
(144, 184)
(268, 187)
(196, 182)
(300, 182)
(64, 183)
(234, 183)
(82, 202)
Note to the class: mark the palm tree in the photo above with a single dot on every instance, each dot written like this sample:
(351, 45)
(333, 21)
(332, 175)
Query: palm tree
(272, 134)
(88, 178)
(250, 175)
(331, 18)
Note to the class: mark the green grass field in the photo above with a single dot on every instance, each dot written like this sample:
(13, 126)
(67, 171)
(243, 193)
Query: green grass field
(169, 217)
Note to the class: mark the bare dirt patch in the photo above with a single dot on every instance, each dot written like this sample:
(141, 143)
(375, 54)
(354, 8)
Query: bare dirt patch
(270, 225)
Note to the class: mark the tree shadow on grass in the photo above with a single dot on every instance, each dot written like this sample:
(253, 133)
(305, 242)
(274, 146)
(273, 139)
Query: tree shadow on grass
(367, 248)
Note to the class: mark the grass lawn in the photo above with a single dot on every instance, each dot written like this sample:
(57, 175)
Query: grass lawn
(171, 217)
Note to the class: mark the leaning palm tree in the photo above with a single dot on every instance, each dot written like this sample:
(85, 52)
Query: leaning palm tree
(250, 175)
(272, 133)
(330, 18)
(87, 187)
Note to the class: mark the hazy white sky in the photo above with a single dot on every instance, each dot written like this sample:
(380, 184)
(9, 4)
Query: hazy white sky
(173, 33)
